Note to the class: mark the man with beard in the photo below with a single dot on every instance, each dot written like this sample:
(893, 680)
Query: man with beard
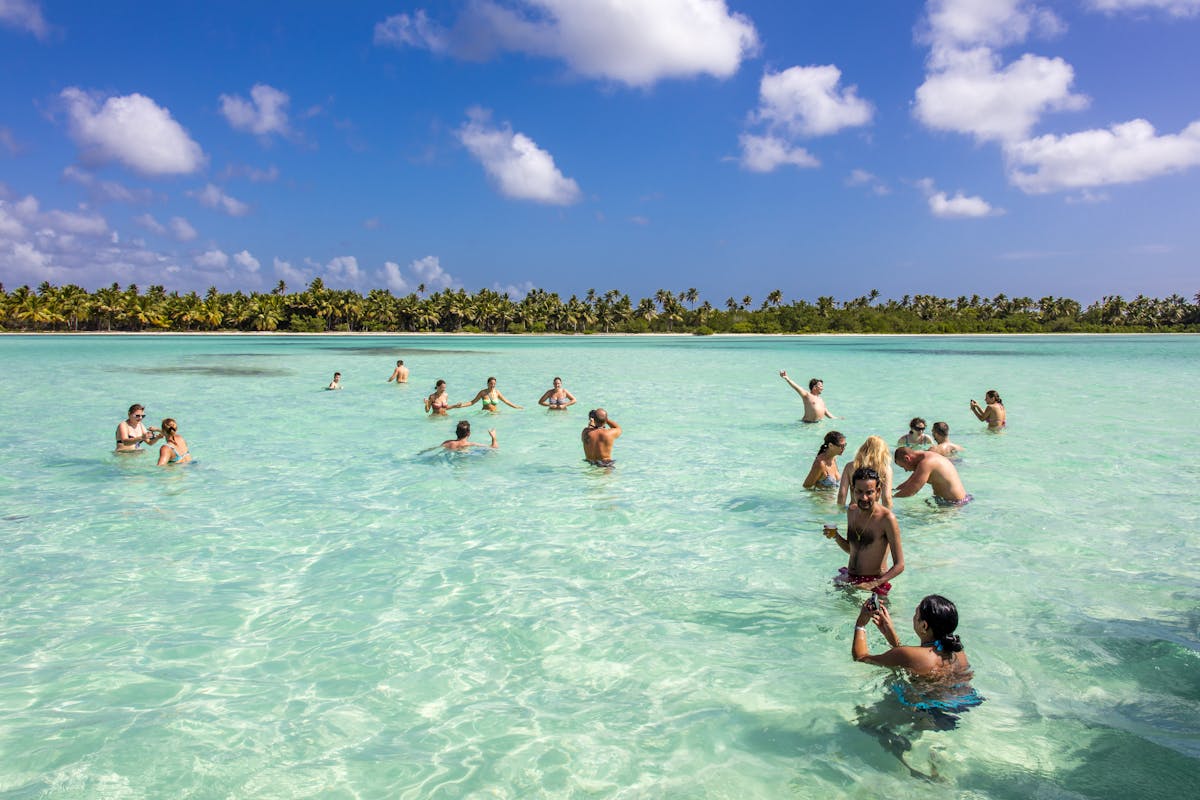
(871, 532)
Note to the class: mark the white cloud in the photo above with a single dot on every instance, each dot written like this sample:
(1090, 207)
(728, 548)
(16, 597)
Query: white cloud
(213, 197)
(972, 94)
(11, 227)
(24, 15)
(344, 269)
(212, 260)
(148, 222)
(807, 101)
(766, 153)
(394, 278)
(519, 168)
(254, 174)
(8, 141)
(289, 274)
(634, 43)
(964, 24)
(246, 261)
(265, 113)
(428, 270)
(516, 291)
(181, 229)
(76, 223)
(1125, 153)
(957, 207)
(133, 130)
(106, 190)
(860, 177)
(1176, 8)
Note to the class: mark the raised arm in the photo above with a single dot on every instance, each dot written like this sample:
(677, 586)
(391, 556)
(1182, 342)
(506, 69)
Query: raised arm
(898, 656)
(800, 390)
(614, 427)
(978, 411)
(492, 433)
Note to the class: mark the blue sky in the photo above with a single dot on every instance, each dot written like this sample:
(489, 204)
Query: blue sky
(735, 146)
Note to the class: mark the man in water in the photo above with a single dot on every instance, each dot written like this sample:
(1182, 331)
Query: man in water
(934, 469)
(871, 532)
(132, 434)
(941, 435)
(399, 374)
(336, 383)
(462, 440)
(598, 438)
(814, 405)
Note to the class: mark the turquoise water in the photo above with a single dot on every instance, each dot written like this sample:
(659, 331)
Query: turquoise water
(314, 609)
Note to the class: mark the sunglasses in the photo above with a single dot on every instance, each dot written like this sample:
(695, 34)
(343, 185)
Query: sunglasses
(919, 430)
(139, 416)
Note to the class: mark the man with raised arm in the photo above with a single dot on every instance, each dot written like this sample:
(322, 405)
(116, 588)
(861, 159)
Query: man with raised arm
(598, 438)
(936, 470)
(814, 405)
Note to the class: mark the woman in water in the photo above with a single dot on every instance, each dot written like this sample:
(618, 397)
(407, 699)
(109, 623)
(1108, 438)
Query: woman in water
(916, 438)
(994, 415)
(174, 449)
(824, 472)
(438, 403)
(875, 454)
(557, 398)
(132, 434)
(491, 398)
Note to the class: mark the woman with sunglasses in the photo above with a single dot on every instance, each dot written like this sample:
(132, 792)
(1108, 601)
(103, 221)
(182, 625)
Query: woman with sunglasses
(916, 438)
(824, 472)
(132, 433)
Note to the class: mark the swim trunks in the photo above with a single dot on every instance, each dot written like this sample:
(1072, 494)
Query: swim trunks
(941, 501)
(844, 576)
(602, 462)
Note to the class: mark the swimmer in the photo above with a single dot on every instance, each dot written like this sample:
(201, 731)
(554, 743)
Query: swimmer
(438, 403)
(945, 447)
(491, 398)
(557, 398)
(598, 438)
(132, 434)
(934, 469)
(871, 534)
(814, 404)
(994, 415)
(399, 374)
(174, 449)
(824, 473)
(336, 383)
(916, 438)
(462, 440)
(875, 454)
(940, 653)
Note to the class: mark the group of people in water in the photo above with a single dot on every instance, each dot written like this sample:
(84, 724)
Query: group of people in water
(133, 433)
(873, 535)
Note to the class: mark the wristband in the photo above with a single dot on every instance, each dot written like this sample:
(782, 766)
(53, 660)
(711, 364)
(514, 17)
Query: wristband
(860, 627)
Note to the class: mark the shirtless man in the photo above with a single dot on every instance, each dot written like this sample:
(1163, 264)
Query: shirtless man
(336, 383)
(936, 470)
(945, 447)
(399, 374)
(462, 440)
(132, 434)
(598, 438)
(871, 533)
(814, 405)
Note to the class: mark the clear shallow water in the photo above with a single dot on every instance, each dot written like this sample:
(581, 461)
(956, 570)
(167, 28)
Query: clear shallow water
(315, 609)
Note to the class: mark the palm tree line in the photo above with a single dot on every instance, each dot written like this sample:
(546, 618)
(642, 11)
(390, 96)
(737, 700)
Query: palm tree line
(318, 308)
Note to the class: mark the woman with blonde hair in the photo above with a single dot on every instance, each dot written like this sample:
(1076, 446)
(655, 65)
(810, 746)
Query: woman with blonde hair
(174, 449)
(875, 454)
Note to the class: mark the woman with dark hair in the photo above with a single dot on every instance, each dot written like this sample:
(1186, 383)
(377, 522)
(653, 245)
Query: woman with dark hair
(439, 402)
(916, 438)
(174, 449)
(940, 653)
(824, 472)
(556, 397)
(491, 398)
(994, 415)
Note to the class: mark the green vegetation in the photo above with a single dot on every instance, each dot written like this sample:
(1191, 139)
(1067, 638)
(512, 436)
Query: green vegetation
(316, 309)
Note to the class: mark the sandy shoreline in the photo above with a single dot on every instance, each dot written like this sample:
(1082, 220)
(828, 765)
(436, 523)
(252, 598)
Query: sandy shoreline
(377, 334)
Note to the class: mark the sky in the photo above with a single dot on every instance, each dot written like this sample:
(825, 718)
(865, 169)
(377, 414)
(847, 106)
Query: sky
(733, 146)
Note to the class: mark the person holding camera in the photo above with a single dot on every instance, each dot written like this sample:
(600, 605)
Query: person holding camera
(871, 533)
(598, 438)
(132, 433)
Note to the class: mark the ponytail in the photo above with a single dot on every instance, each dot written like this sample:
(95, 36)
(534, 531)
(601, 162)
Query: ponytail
(832, 439)
(942, 618)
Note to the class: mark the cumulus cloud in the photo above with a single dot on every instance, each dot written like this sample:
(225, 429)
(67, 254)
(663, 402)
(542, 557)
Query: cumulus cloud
(265, 113)
(344, 270)
(428, 270)
(807, 101)
(965, 24)
(766, 153)
(516, 291)
(106, 190)
(393, 277)
(957, 207)
(212, 260)
(24, 15)
(973, 94)
(636, 44)
(246, 261)
(1125, 153)
(181, 229)
(1175, 8)
(132, 130)
(212, 197)
(148, 222)
(517, 166)
(289, 274)
(860, 177)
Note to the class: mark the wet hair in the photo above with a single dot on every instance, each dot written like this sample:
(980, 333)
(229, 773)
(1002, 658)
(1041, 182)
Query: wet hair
(135, 407)
(902, 451)
(942, 618)
(169, 427)
(915, 421)
(832, 439)
(813, 383)
(941, 429)
(995, 394)
(463, 429)
(865, 474)
(400, 363)
(874, 453)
